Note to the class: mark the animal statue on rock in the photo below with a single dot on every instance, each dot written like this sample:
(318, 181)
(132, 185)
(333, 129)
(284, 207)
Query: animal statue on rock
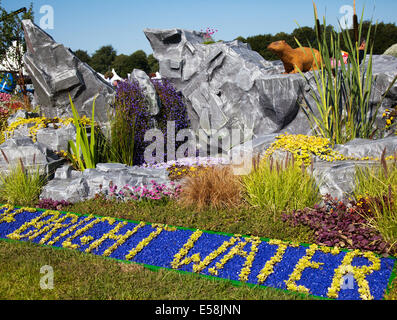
(296, 59)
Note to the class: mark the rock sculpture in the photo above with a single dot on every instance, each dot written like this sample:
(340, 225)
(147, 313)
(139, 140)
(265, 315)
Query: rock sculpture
(56, 72)
(227, 85)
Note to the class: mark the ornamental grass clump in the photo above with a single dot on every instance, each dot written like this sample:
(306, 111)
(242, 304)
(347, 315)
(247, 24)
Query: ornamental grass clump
(214, 187)
(278, 186)
(376, 188)
(129, 123)
(21, 186)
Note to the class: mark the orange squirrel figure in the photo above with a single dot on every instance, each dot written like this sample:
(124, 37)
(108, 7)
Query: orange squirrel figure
(293, 59)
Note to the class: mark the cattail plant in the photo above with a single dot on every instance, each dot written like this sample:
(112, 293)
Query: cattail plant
(342, 91)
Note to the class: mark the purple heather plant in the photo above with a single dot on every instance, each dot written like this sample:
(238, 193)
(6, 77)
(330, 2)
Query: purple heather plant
(172, 108)
(132, 123)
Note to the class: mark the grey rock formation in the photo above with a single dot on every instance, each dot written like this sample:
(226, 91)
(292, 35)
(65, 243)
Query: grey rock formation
(56, 72)
(75, 186)
(227, 85)
(392, 51)
(148, 89)
(33, 155)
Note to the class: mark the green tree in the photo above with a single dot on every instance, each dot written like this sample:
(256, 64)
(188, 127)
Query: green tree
(240, 38)
(123, 65)
(83, 56)
(12, 35)
(153, 64)
(102, 59)
(139, 61)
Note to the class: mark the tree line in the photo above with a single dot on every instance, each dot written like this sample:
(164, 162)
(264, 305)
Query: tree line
(384, 38)
(106, 58)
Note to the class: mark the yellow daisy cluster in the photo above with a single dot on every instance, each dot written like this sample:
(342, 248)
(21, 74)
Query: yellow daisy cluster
(303, 263)
(86, 239)
(268, 269)
(359, 274)
(110, 235)
(177, 173)
(304, 147)
(389, 116)
(69, 230)
(37, 123)
(201, 265)
(237, 250)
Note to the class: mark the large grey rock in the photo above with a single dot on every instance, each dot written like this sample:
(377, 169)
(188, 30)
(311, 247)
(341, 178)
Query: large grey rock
(227, 85)
(392, 51)
(33, 155)
(153, 100)
(56, 72)
(75, 186)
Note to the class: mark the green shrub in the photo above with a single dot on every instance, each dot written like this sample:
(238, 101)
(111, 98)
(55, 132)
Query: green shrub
(20, 186)
(279, 186)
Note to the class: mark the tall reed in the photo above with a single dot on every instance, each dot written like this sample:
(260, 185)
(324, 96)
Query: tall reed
(343, 109)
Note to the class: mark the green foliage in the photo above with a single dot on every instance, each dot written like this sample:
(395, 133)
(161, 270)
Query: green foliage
(386, 36)
(20, 186)
(153, 63)
(123, 65)
(277, 187)
(102, 59)
(83, 56)
(139, 61)
(84, 154)
(377, 186)
(122, 140)
(11, 30)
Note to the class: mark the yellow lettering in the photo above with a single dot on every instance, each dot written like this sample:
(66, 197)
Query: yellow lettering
(359, 274)
(304, 263)
(133, 252)
(268, 269)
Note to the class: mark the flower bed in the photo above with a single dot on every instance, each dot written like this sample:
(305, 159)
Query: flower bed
(317, 270)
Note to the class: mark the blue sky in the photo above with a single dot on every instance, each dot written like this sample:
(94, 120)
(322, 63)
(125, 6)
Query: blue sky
(90, 24)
